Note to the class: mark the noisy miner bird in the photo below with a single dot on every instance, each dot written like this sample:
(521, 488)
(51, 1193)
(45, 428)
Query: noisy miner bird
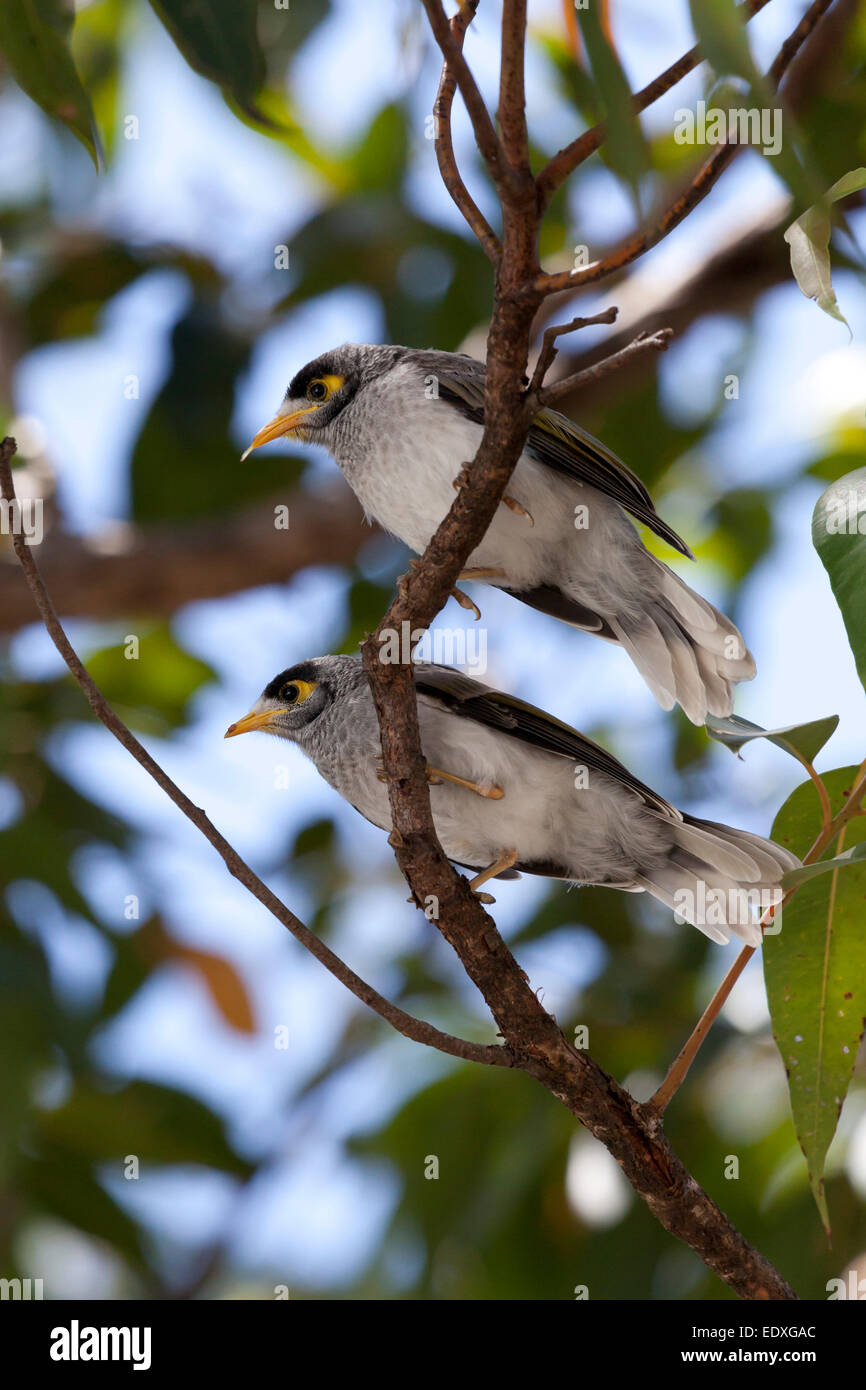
(513, 789)
(401, 424)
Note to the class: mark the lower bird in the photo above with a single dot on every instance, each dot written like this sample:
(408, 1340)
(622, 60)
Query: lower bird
(401, 423)
(513, 789)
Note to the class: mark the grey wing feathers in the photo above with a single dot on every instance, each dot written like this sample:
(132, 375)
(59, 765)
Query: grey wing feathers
(471, 699)
(556, 441)
(565, 447)
(545, 599)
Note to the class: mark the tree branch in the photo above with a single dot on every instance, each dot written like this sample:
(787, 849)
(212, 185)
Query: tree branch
(404, 1023)
(444, 145)
(557, 169)
(549, 348)
(694, 193)
(644, 342)
(735, 272)
(632, 1133)
(486, 137)
(512, 94)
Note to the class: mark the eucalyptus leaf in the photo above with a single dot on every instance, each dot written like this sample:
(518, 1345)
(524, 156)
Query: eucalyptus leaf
(219, 40)
(839, 536)
(626, 146)
(825, 866)
(815, 972)
(809, 240)
(153, 692)
(802, 741)
(723, 38)
(34, 39)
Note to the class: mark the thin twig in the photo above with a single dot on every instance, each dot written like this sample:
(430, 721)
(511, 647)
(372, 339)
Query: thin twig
(818, 781)
(486, 137)
(697, 189)
(549, 348)
(557, 169)
(443, 143)
(644, 342)
(404, 1023)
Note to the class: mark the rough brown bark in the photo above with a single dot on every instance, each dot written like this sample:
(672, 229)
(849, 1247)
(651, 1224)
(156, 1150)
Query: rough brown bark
(632, 1133)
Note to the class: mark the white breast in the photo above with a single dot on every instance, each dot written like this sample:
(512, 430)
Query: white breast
(594, 829)
(404, 478)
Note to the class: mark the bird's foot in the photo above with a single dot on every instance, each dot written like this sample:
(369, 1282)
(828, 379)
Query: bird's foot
(465, 602)
(435, 776)
(491, 792)
(465, 576)
(404, 579)
(518, 508)
(505, 861)
(461, 478)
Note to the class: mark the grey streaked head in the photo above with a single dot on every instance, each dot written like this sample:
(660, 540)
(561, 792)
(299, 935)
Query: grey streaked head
(300, 696)
(323, 389)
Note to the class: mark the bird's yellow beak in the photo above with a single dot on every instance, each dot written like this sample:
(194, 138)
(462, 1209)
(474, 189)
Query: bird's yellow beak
(280, 425)
(252, 721)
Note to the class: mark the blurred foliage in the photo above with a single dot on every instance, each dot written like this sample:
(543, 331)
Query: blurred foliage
(626, 150)
(34, 37)
(498, 1221)
(195, 405)
(220, 40)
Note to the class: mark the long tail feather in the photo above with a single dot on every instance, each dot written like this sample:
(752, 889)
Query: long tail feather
(720, 879)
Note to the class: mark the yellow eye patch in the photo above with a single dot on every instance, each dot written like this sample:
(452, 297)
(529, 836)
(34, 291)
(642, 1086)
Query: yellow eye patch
(296, 692)
(323, 388)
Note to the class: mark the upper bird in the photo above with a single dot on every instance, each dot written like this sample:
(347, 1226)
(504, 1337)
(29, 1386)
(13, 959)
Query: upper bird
(401, 423)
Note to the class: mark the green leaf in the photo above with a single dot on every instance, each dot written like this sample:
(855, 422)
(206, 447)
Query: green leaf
(64, 1186)
(34, 38)
(802, 741)
(724, 40)
(839, 536)
(219, 40)
(815, 972)
(154, 686)
(627, 148)
(190, 422)
(825, 866)
(745, 531)
(809, 240)
(379, 159)
(156, 1123)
